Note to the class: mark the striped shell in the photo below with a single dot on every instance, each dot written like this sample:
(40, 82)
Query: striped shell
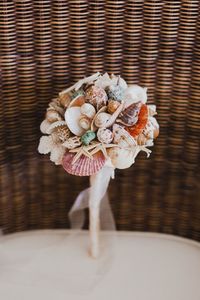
(129, 115)
(122, 137)
(84, 166)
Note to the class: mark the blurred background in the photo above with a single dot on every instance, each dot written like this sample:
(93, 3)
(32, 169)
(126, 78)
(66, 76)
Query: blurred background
(45, 46)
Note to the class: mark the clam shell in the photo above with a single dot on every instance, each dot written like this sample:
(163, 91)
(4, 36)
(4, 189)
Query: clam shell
(84, 166)
(96, 96)
(105, 135)
(77, 101)
(121, 158)
(135, 93)
(72, 117)
(85, 122)
(122, 137)
(72, 142)
(88, 110)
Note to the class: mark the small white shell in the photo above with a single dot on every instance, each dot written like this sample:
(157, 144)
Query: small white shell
(105, 135)
(72, 117)
(52, 115)
(135, 93)
(122, 137)
(88, 110)
(85, 122)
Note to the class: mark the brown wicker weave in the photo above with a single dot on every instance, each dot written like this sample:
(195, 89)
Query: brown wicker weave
(45, 46)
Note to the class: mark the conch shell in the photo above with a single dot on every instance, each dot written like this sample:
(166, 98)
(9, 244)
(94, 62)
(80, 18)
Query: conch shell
(83, 166)
(121, 158)
(122, 138)
(129, 115)
(134, 94)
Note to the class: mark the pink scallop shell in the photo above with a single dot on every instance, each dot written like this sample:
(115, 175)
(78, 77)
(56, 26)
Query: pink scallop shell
(84, 166)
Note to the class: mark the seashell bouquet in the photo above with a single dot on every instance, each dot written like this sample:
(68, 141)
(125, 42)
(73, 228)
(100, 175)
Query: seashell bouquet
(100, 121)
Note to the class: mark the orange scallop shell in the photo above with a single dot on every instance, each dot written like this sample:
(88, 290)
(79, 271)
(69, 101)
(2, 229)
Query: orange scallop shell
(141, 123)
(84, 166)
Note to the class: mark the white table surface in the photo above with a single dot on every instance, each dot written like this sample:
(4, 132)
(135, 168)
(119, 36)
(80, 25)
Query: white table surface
(54, 265)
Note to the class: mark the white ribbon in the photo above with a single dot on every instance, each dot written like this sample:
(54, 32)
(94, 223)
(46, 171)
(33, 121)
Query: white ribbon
(96, 199)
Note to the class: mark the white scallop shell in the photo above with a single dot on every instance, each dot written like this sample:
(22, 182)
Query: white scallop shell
(135, 93)
(88, 110)
(122, 137)
(72, 116)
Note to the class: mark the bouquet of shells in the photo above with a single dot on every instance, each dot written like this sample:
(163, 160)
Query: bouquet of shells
(100, 122)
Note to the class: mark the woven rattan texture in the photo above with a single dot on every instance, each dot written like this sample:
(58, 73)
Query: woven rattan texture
(45, 46)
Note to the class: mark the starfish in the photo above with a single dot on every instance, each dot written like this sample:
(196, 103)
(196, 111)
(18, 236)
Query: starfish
(102, 147)
(83, 150)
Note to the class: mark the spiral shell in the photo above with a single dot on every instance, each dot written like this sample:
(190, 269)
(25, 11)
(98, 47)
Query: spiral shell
(84, 166)
(105, 135)
(84, 122)
(101, 119)
(88, 110)
(129, 115)
(96, 96)
(72, 142)
(112, 106)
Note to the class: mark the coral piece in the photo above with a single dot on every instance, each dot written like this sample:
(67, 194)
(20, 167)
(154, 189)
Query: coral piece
(72, 142)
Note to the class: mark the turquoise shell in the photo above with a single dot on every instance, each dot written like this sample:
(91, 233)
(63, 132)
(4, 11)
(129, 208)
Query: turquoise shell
(88, 137)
